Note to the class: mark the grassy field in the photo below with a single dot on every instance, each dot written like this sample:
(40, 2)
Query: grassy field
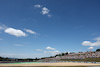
(86, 59)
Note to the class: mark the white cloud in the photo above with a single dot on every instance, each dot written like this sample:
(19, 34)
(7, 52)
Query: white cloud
(97, 43)
(18, 45)
(39, 49)
(50, 48)
(90, 48)
(2, 27)
(37, 6)
(98, 38)
(52, 52)
(68, 52)
(15, 32)
(30, 31)
(45, 10)
(86, 43)
(92, 45)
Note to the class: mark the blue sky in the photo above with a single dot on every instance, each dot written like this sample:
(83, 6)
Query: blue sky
(40, 28)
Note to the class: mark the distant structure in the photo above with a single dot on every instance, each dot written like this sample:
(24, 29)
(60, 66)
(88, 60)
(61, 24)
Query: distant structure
(80, 55)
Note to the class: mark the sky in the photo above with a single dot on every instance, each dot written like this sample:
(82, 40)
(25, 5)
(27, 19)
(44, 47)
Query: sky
(43, 28)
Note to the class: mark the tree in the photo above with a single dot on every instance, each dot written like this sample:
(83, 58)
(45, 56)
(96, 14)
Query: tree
(36, 58)
(66, 53)
(56, 55)
(97, 50)
(62, 54)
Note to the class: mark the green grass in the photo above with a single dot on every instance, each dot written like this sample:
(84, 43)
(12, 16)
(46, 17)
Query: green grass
(21, 63)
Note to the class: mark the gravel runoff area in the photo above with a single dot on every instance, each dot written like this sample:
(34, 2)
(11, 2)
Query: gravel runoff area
(51, 64)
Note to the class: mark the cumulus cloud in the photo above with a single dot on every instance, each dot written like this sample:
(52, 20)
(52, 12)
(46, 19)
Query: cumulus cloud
(52, 52)
(45, 10)
(97, 43)
(92, 44)
(37, 6)
(30, 31)
(49, 51)
(88, 43)
(15, 32)
(50, 48)
(90, 48)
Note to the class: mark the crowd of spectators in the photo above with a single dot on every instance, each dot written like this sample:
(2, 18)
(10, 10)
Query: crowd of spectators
(80, 55)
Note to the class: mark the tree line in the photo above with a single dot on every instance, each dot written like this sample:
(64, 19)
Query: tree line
(16, 59)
